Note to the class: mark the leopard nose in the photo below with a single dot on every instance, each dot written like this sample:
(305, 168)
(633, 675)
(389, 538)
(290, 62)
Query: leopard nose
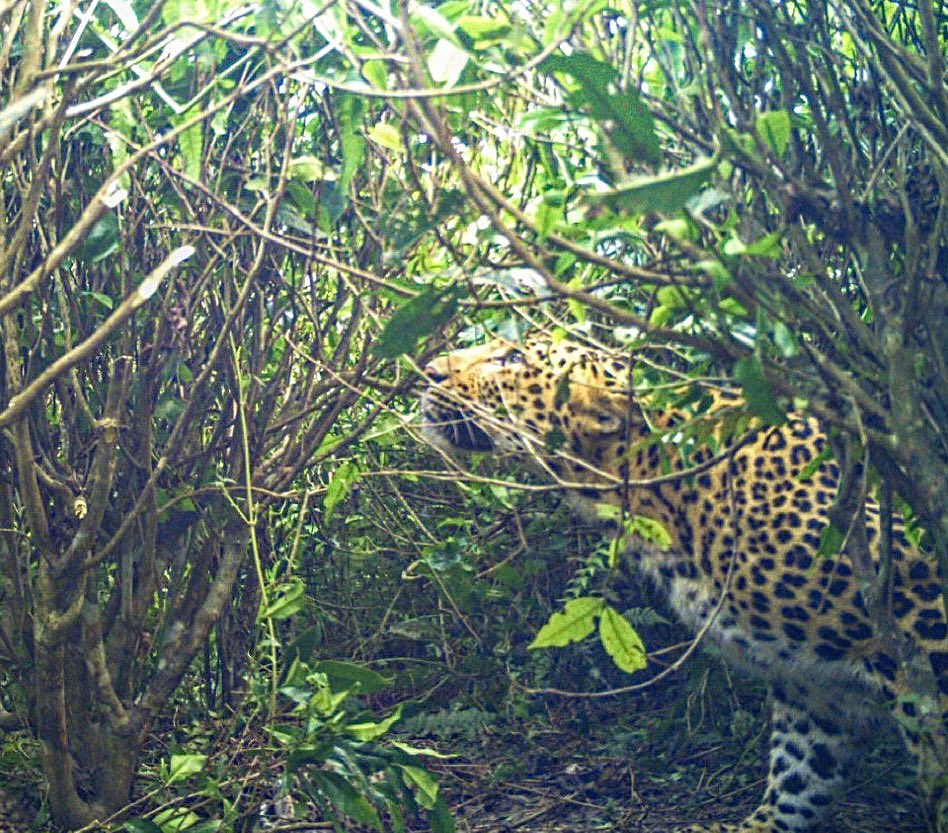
(435, 374)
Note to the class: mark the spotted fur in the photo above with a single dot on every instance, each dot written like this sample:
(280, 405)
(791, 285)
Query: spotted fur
(745, 526)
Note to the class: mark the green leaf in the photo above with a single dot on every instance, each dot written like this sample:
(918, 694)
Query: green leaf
(346, 798)
(176, 819)
(374, 730)
(426, 18)
(621, 641)
(783, 338)
(774, 129)
(575, 623)
(482, 29)
(387, 135)
(340, 485)
(734, 246)
(422, 783)
(376, 73)
(347, 674)
(104, 300)
(191, 143)
(666, 192)
(440, 817)
(814, 465)
(831, 540)
(102, 241)
(678, 228)
(416, 318)
(414, 751)
(352, 142)
(309, 169)
(446, 63)
(720, 276)
(182, 767)
(621, 114)
(649, 530)
(758, 392)
(766, 246)
(206, 826)
(287, 600)
(141, 826)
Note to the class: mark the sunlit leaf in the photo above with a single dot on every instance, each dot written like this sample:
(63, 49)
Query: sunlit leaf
(425, 18)
(621, 641)
(774, 128)
(176, 820)
(783, 338)
(575, 623)
(483, 29)
(376, 73)
(309, 169)
(374, 730)
(446, 63)
(423, 784)
(386, 135)
(650, 530)
(182, 767)
(191, 142)
(766, 246)
(286, 600)
(141, 826)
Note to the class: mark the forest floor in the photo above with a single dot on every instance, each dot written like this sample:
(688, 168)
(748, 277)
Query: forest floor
(581, 772)
(564, 782)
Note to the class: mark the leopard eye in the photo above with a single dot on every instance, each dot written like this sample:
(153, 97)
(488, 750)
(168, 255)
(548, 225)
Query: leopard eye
(511, 357)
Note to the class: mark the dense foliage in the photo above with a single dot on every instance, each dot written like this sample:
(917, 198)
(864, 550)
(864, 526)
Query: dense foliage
(231, 236)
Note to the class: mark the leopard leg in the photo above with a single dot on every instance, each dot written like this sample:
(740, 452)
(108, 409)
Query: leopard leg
(808, 758)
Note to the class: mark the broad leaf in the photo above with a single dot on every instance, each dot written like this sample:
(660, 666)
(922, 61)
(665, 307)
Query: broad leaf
(621, 114)
(346, 674)
(182, 767)
(341, 484)
(831, 541)
(774, 128)
(440, 817)
(374, 730)
(758, 392)
(575, 623)
(287, 600)
(621, 641)
(666, 193)
(141, 826)
(346, 798)
(102, 241)
(422, 783)
(416, 318)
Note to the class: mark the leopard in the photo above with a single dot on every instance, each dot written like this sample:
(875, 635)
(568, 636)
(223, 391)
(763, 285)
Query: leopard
(743, 565)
